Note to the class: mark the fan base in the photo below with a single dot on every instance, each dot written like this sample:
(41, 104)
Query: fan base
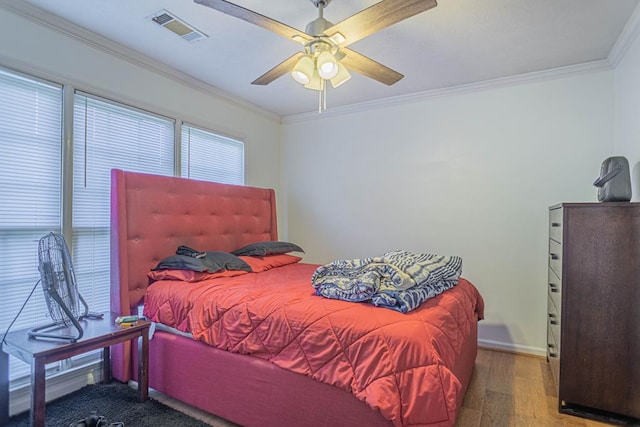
(49, 331)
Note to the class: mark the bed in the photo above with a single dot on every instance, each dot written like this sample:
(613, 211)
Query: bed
(240, 380)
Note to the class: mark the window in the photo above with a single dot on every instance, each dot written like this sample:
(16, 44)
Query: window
(107, 136)
(210, 157)
(30, 172)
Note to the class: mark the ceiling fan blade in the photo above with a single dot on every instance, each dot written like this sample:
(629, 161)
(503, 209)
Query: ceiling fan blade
(359, 63)
(278, 71)
(378, 17)
(255, 18)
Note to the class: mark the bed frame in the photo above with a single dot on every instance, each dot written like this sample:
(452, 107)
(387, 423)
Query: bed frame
(150, 217)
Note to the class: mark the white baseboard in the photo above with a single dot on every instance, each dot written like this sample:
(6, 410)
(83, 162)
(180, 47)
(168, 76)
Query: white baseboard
(512, 348)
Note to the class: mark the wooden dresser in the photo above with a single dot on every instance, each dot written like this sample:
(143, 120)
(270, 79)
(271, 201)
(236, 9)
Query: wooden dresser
(593, 316)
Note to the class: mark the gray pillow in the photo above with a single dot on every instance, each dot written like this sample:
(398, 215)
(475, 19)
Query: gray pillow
(267, 248)
(182, 262)
(211, 262)
(225, 261)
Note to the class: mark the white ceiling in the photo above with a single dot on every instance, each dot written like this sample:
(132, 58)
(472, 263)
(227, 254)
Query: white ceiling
(456, 43)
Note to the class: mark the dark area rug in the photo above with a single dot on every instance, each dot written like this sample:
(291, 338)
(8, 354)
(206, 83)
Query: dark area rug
(115, 402)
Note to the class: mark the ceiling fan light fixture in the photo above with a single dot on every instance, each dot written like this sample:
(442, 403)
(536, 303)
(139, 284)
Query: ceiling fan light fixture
(303, 70)
(341, 76)
(316, 82)
(327, 65)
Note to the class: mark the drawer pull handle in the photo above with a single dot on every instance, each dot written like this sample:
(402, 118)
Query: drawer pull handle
(553, 319)
(555, 224)
(553, 354)
(554, 256)
(554, 288)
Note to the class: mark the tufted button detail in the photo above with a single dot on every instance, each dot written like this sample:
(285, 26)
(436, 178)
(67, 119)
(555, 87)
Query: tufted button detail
(165, 212)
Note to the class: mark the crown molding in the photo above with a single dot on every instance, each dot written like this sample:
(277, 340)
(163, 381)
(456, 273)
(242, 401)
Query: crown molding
(516, 80)
(629, 34)
(98, 42)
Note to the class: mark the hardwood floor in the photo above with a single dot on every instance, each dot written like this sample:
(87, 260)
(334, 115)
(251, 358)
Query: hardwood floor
(516, 390)
(506, 390)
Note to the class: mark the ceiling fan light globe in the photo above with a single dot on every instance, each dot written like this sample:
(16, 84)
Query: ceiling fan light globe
(303, 70)
(301, 78)
(328, 70)
(315, 83)
(341, 77)
(327, 65)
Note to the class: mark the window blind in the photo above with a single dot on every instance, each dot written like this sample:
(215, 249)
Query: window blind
(210, 157)
(30, 172)
(107, 135)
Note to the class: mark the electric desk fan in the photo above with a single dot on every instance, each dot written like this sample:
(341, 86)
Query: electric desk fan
(66, 305)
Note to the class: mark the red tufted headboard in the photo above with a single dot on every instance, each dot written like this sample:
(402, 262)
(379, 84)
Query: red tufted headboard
(152, 215)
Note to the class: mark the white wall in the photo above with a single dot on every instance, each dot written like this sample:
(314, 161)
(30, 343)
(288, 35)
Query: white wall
(32, 47)
(627, 112)
(470, 174)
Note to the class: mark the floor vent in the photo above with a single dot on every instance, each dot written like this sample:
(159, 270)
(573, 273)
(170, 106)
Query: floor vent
(177, 26)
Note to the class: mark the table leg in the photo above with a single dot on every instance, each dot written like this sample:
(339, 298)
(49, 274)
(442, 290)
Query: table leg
(143, 367)
(37, 393)
(4, 388)
(106, 365)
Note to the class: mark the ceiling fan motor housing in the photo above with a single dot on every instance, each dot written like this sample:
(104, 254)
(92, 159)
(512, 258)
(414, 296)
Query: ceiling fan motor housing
(323, 3)
(320, 44)
(317, 26)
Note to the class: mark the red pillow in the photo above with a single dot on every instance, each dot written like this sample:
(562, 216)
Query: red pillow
(267, 262)
(191, 276)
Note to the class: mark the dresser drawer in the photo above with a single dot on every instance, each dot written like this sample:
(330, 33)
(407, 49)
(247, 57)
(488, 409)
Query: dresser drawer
(555, 257)
(555, 224)
(553, 356)
(554, 286)
(553, 325)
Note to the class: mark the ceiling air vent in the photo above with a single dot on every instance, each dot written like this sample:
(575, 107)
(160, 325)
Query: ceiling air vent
(177, 26)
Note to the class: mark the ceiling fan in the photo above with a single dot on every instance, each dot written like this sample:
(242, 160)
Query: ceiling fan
(326, 56)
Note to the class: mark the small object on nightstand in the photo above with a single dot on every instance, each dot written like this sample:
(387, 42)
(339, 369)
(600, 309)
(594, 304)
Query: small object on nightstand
(126, 319)
(127, 324)
(94, 315)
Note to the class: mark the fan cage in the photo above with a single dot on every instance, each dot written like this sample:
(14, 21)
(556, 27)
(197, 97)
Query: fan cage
(66, 305)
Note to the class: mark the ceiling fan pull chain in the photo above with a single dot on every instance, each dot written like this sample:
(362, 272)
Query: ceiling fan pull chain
(324, 95)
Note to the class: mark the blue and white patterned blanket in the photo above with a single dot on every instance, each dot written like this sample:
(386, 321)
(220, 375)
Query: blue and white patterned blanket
(399, 280)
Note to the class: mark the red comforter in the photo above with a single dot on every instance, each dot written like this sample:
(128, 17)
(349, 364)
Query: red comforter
(397, 363)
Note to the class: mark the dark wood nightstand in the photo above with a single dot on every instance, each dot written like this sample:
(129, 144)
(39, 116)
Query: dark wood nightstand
(98, 333)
